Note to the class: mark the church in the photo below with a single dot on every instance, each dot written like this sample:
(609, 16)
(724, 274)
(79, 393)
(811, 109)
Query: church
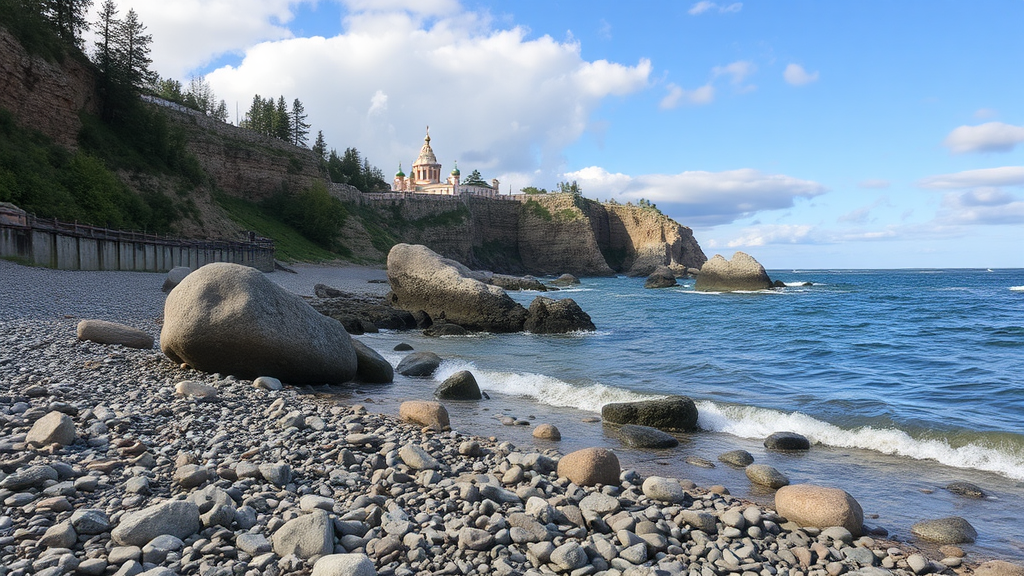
(425, 178)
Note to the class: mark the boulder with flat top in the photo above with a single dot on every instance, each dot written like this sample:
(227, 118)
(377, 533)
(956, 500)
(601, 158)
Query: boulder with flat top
(674, 413)
(741, 273)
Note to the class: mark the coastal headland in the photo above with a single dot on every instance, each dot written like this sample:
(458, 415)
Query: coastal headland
(250, 480)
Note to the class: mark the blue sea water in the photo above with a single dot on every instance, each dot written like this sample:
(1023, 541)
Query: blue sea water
(905, 380)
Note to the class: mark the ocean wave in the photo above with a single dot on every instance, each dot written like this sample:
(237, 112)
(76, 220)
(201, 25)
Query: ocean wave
(544, 389)
(1017, 288)
(752, 422)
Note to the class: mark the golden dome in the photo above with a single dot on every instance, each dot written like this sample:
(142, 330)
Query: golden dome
(426, 153)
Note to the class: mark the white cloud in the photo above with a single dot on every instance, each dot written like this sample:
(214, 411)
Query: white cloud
(988, 137)
(188, 34)
(863, 214)
(699, 197)
(737, 71)
(705, 6)
(985, 113)
(423, 7)
(677, 96)
(495, 100)
(874, 183)
(985, 206)
(1004, 176)
(797, 76)
(773, 234)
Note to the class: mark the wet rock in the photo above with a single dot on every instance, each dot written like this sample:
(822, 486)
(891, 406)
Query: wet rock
(549, 316)
(565, 280)
(966, 489)
(820, 507)
(459, 386)
(439, 329)
(672, 413)
(547, 432)
(951, 530)
(662, 277)
(787, 441)
(737, 458)
(372, 368)
(765, 475)
(419, 364)
(646, 437)
(740, 273)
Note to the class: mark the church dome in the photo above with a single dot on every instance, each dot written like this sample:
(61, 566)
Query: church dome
(399, 174)
(426, 153)
(455, 171)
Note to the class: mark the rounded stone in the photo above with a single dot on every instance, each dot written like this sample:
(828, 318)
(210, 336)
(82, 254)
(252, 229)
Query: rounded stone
(419, 364)
(966, 489)
(743, 272)
(547, 432)
(951, 530)
(371, 367)
(590, 466)
(820, 507)
(53, 428)
(672, 413)
(787, 441)
(999, 568)
(344, 565)
(103, 332)
(737, 458)
(424, 413)
(459, 386)
(662, 277)
(663, 489)
(646, 437)
(765, 475)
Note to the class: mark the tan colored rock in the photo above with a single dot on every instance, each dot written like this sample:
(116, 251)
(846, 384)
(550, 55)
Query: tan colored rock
(445, 289)
(547, 432)
(231, 319)
(766, 475)
(820, 507)
(590, 466)
(196, 389)
(103, 332)
(425, 413)
(740, 273)
(999, 568)
(55, 427)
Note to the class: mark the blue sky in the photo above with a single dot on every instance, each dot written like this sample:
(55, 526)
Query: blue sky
(838, 134)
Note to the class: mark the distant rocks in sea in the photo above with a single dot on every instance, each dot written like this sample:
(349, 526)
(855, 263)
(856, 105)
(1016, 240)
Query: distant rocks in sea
(742, 273)
(662, 277)
(565, 280)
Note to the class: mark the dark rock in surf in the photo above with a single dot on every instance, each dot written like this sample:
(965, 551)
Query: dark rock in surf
(662, 277)
(419, 364)
(787, 441)
(966, 489)
(371, 367)
(548, 316)
(737, 458)
(565, 280)
(672, 413)
(646, 437)
(402, 347)
(952, 530)
(459, 386)
(445, 329)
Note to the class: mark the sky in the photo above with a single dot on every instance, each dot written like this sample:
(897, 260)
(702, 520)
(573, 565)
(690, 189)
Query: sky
(809, 134)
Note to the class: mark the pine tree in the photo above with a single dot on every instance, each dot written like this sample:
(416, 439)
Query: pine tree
(68, 18)
(220, 113)
(133, 51)
(282, 126)
(299, 128)
(320, 149)
(105, 57)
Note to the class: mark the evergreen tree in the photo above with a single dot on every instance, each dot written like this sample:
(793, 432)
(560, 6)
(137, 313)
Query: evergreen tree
(133, 51)
(68, 18)
(282, 126)
(474, 178)
(299, 128)
(221, 111)
(169, 89)
(570, 188)
(105, 55)
(320, 149)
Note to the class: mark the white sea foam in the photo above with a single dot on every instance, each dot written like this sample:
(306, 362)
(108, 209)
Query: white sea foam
(751, 422)
(1017, 288)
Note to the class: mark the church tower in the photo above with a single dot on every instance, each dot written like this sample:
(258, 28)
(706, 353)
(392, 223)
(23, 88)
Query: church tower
(426, 170)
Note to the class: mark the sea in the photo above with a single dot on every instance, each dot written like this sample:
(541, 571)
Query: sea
(903, 380)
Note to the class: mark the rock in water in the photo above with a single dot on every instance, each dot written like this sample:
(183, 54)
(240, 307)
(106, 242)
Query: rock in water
(422, 280)
(662, 277)
(445, 329)
(765, 475)
(516, 282)
(459, 386)
(174, 277)
(230, 319)
(787, 441)
(672, 413)
(372, 368)
(565, 280)
(419, 364)
(646, 437)
(104, 332)
(819, 507)
(547, 432)
(590, 466)
(738, 458)
(952, 530)
(966, 489)
(548, 316)
(740, 273)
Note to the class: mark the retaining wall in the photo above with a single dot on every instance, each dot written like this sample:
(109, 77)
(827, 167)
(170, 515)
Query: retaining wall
(73, 247)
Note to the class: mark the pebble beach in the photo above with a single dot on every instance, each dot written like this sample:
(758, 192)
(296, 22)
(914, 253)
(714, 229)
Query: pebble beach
(290, 482)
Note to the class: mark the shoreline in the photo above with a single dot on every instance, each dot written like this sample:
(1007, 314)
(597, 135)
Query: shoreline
(159, 376)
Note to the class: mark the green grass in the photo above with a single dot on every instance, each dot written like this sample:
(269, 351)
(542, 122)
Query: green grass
(539, 211)
(290, 245)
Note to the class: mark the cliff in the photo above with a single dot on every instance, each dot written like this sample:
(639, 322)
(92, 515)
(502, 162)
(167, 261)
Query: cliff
(43, 94)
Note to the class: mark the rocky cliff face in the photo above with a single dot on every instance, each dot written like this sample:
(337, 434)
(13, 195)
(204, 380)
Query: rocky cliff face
(44, 95)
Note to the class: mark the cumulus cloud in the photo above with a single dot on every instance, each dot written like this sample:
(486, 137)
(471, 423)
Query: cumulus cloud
(188, 34)
(982, 206)
(1003, 176)
(774, 234)
(706, 6)
(988, 137)
(678, 96)
(702, 198)
(797, 76)
(424, 7)
(495, 100)
(737, 72)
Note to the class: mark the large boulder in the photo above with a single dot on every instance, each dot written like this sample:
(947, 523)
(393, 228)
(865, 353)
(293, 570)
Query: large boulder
(590, 466)
(819, 507)
(306, 536)
(565, 280)
(672, 413)
(787, 442)
(174, 277)
(422, 280)
(999, 568)
(740, 273)
(230, 319)
(662, 277)
(548, 316)
(103, 332)
(459, 386)
(371, 367)
(54, 428)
